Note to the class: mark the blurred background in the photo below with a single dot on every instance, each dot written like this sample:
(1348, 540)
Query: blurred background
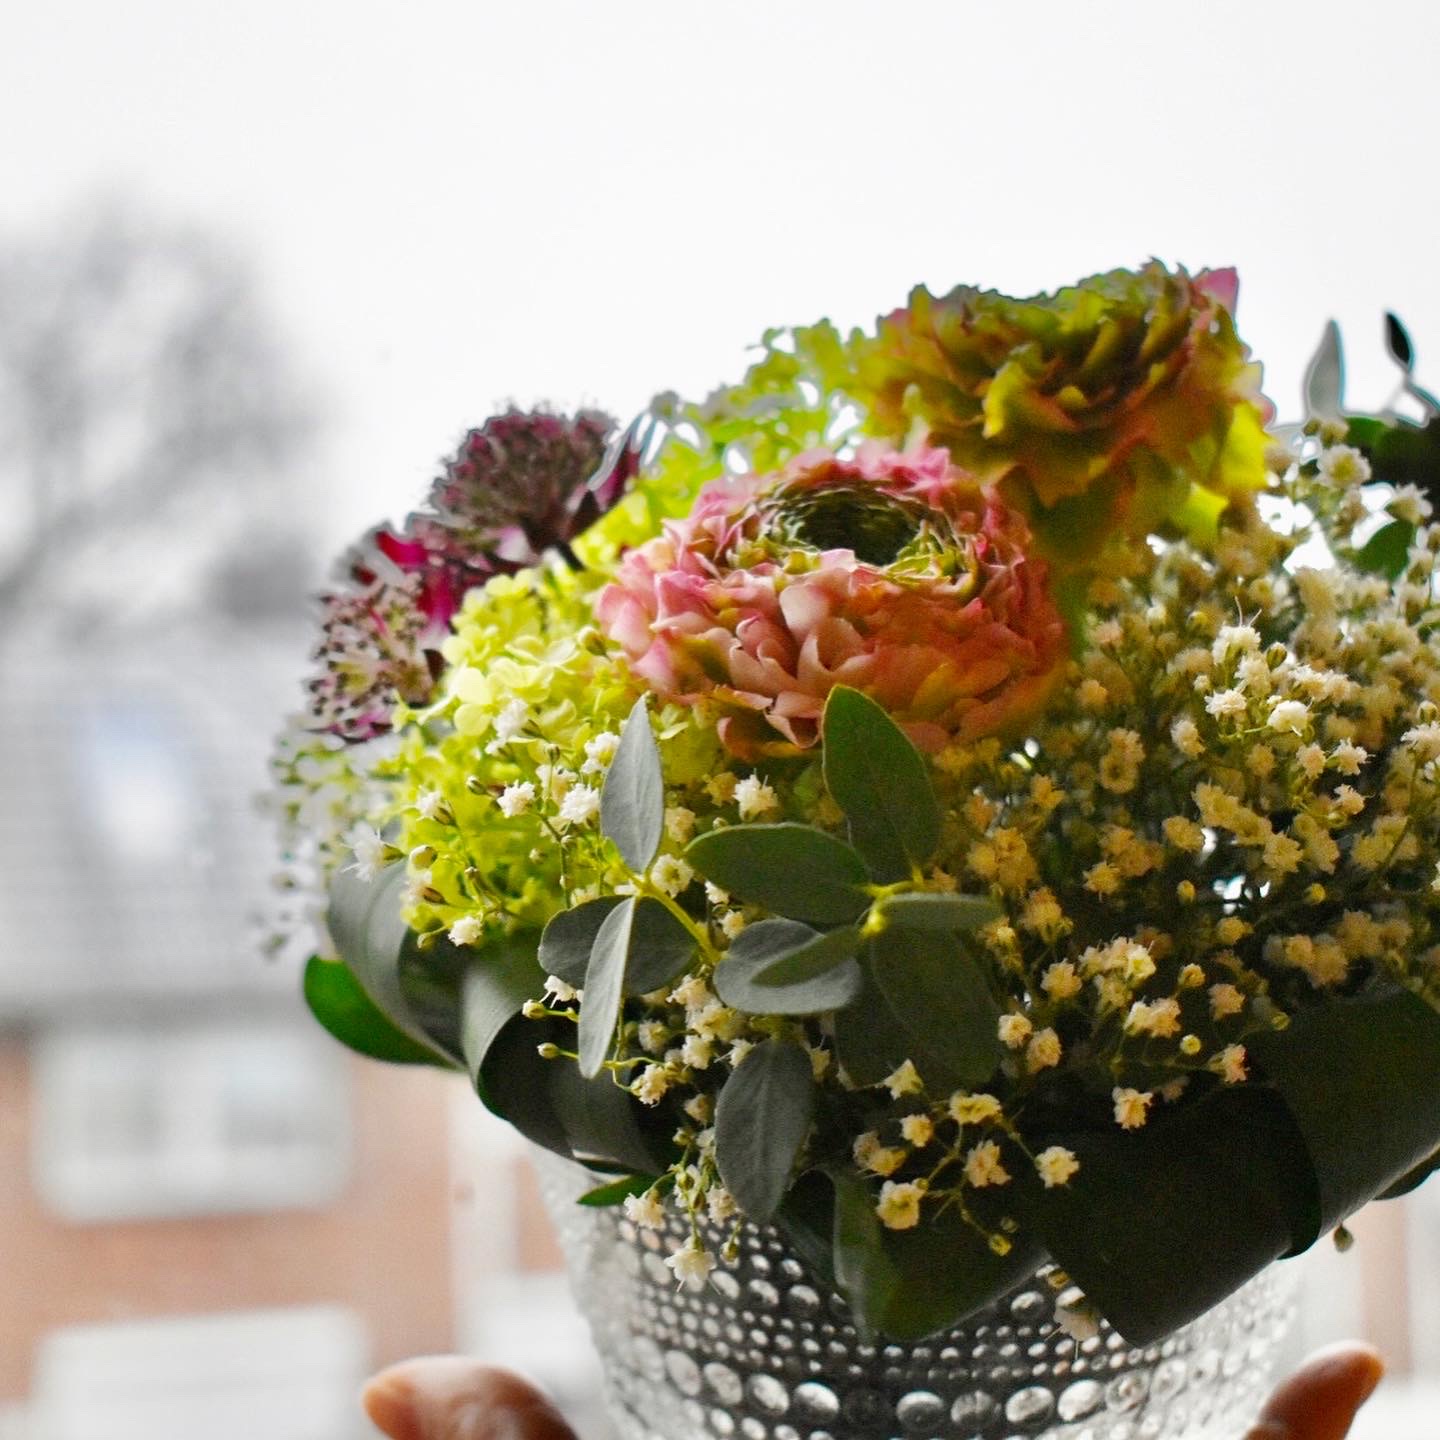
(260, 267)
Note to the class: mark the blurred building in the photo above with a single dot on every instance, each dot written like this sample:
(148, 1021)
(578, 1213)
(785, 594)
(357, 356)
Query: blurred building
(213, 1221)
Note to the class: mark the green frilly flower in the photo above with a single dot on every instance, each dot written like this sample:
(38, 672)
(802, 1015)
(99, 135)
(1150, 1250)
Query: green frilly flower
(1126, 401)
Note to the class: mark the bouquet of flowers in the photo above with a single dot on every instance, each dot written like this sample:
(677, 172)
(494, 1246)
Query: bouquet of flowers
(967, 794)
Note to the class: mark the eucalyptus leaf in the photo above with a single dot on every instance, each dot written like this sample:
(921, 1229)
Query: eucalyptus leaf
(870, 1041)
(937, 991)
(781, 967)
(794, 870)
(881, 782)
(1361, 1077)
(339, 1002)
(632, 801)
(605, 987)
(566, 942)
(661, 948)
(951, 913)
(1325, 377)
(761, 1121)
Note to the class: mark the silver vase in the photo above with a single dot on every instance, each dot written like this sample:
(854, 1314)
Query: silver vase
(763, 1354)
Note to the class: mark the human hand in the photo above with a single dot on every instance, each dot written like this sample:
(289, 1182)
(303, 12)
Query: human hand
(447, 1398)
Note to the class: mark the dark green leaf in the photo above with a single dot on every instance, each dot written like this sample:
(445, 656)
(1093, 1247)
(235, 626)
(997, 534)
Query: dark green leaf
(515, 1083)
(605, 988)
(603, 1122)
(1325, 377)
(338, 1001)
(864, 1273)
(617, 1191)
(794, 870)
(937, 991)
(1397, 341)
(497, 983)
(806, 1218)
(881, 782)
(567, 940)
(781, 967)
(1361, 1077)
(1162, 1223)
(1386, 552)
(661, 948)
(955, 914)
(1417, 1177)
(369, 931)
(907, 1284)
(632, 802)
(869, 1039)
(761, 1122)
(551, 1104)
(418, 993)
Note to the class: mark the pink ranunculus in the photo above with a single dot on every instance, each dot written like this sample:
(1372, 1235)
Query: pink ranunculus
(891, 572)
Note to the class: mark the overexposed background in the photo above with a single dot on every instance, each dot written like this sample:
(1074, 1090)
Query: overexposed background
(446, 206)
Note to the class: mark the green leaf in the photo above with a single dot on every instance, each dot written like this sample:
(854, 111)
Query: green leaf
(953, 914)
(806, 1218)
(1361, 1077)
(514, 1083)
(567, 940)
(605, 987)
(1397, 342)
(366, 922)
(339, 1002)
(939, 994)
(605, 1123)
(596, 1122)
(661, 948)
(908, 1284)
(761, 1121)
(1413, 1180)
(1386, 552)
(617, 1191)
(497, 983)
(869, 1039)
(1325, 377)
(881, 782)
(781, 967)
(640, 946)
(632, 802)
(794, 870)
(1162, 1223)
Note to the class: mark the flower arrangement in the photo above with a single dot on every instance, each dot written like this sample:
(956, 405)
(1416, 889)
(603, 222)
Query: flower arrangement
(967, 793)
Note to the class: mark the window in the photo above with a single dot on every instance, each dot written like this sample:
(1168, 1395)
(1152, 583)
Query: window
(283, 1374)
(189, 1118)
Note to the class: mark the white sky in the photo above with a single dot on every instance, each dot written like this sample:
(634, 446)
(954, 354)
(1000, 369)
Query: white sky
(460, 203)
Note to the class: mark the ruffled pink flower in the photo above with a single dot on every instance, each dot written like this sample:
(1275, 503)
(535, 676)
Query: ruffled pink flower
(890, 572)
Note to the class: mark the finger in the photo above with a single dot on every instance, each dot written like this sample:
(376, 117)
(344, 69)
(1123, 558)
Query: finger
(445, 1397)
(1320, 1399)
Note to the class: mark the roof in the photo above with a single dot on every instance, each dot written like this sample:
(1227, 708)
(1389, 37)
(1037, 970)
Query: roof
(133, 860)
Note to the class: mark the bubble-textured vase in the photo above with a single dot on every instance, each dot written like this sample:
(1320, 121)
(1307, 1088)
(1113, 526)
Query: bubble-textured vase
(763, 1354)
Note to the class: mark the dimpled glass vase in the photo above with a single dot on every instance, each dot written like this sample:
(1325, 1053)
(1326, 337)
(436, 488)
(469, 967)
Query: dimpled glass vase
(763, 1354)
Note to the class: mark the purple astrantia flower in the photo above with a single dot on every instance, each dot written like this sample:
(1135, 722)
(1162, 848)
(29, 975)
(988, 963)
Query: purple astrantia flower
(522, 485)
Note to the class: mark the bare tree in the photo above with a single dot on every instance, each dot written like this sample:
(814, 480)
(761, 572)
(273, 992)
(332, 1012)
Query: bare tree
(140, 380)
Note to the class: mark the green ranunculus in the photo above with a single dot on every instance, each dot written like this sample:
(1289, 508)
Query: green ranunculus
(1126, 401)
